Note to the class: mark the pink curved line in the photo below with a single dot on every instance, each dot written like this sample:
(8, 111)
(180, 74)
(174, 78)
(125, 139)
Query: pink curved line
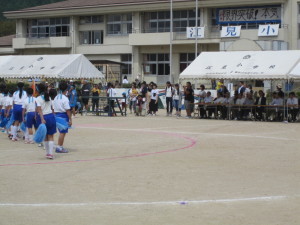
(192, 143)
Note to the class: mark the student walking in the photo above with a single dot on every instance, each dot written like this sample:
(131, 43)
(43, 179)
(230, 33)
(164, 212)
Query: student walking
(29, 108)
(18, 100)
(44, 108)
(61, 107)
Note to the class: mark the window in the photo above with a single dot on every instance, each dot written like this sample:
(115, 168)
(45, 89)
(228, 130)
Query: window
(155, 22)
(156, 64)
(185, 60)
(127, 60)
(91, 19)
(94, 37)
(53, 27)
(119, 24)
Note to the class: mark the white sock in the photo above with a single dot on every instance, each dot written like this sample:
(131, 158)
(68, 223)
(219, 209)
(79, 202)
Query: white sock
(46, 145)
(51, 146)
(14, 131)
(60, 147)
(26, 134)
(30, 137)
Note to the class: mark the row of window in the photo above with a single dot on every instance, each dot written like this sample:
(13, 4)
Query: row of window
(156, 64)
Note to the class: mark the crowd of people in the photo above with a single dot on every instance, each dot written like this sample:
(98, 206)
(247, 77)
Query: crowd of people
(22, 107)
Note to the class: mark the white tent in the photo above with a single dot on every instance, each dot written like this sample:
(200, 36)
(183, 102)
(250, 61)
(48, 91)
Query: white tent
(255, 65)
(48, 66)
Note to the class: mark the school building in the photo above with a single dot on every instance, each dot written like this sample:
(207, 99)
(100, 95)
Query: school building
(134, 37)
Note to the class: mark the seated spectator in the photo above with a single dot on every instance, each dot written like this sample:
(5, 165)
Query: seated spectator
(248, 102)
(260, 102)
(292, 104)
(208, 109)
(275, 113)
(237, 109)
(219, 100)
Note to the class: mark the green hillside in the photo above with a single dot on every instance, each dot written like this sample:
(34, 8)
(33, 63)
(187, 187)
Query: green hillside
(7, 27)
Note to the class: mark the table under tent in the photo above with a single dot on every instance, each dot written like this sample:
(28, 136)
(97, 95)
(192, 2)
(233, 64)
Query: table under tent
(245, 65)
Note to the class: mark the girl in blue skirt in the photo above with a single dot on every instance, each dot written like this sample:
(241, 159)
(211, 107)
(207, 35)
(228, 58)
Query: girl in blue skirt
(18, 100)
(44, 108)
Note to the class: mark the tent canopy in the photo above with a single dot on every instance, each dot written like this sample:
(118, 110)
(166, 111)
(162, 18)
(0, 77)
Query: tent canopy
(48, 66)
(243, 65)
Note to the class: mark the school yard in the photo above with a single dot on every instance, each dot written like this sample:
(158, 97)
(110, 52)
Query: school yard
(156, 171)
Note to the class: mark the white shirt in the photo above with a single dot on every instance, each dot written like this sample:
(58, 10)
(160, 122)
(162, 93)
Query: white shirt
(169, 92)
(125, 81)
(208, 99)
(111, 92)
(292, 101)
(202, 94)
(239, 101)
(8, 101)
(17, 100)
(277, 101)
(176, 95)
(46, 106)
(61, 103)
(29, 104)
(154, 94)
(219, 100)
(2, 98)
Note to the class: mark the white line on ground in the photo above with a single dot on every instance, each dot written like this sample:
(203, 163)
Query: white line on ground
(183, 202)
(196, 133)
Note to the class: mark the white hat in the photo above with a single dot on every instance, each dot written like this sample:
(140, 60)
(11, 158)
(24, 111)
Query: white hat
(71, 81)
(279, 86)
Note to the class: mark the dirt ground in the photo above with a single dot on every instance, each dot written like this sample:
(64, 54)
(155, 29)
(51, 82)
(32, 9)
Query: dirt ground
(156, 171)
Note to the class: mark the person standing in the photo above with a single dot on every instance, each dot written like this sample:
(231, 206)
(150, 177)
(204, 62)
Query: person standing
(111, 94)
(202, 95)
(61, 107)
(125, 80)
(95, 99)
(29, 107)
(188, 99)
(85, 95)
(133, 93)
(18, 100)
(144, 94)
(169, 98)
(154, 100)
(44, 108)
(177, 100)
(73, 99)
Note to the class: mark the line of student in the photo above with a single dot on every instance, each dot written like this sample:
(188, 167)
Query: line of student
(21, 106)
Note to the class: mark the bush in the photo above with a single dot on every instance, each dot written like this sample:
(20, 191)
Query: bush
(14, 87)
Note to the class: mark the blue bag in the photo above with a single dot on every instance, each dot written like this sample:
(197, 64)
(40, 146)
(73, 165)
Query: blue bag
(10, 122)
(61, 123)
(23, 127)
(40, 134)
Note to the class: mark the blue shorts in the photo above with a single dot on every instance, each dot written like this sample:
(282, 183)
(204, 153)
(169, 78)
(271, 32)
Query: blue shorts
(30, 119)
(17, 111)
(64, 116)
(37, 121)
(2, 114)
(50, 123)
